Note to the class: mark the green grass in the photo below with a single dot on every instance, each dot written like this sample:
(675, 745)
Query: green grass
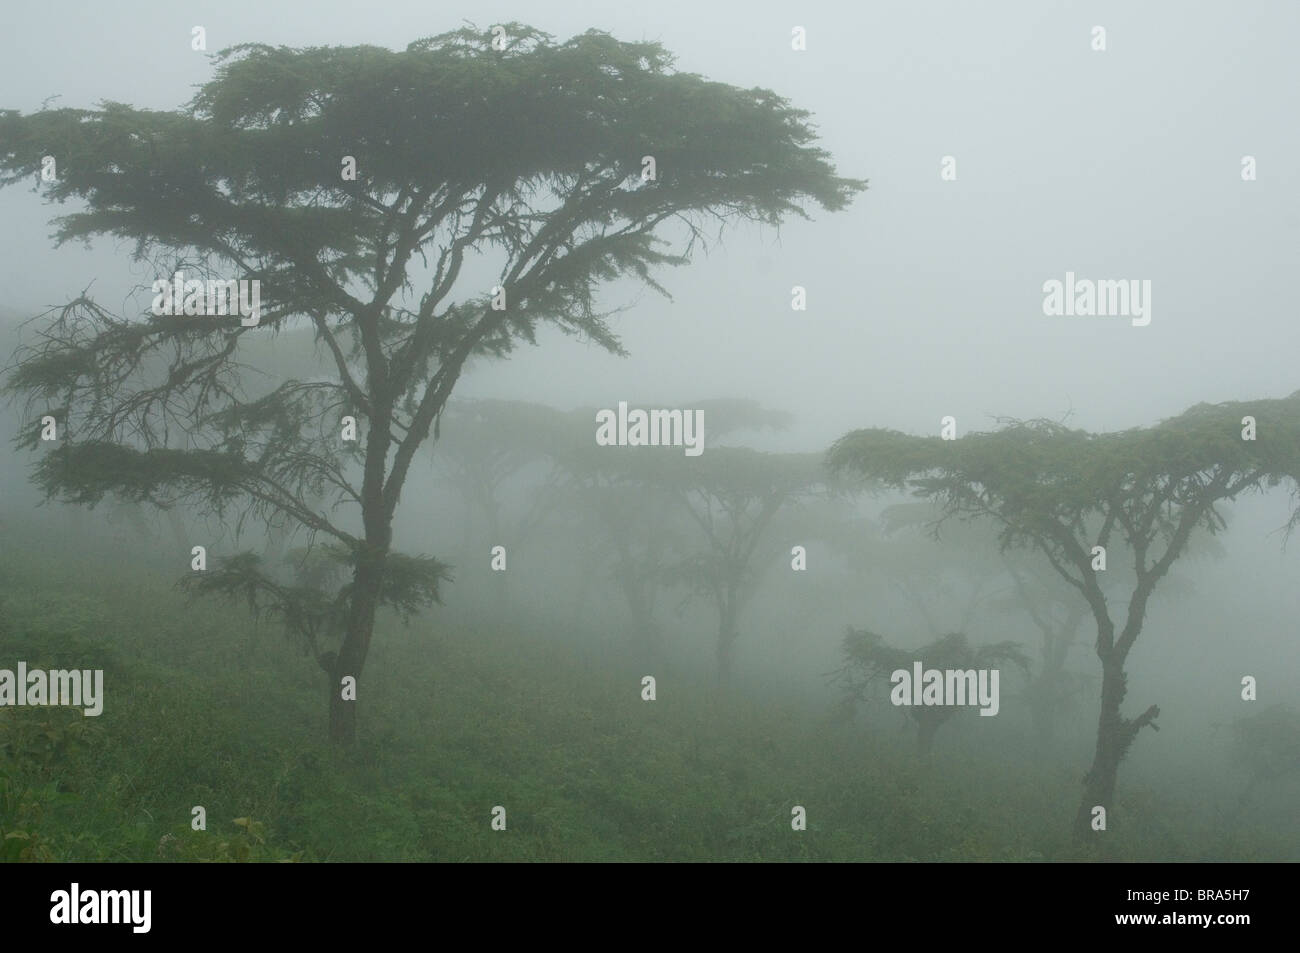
(458, 717)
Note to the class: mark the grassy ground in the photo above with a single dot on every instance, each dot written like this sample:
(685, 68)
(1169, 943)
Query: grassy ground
(458, 718)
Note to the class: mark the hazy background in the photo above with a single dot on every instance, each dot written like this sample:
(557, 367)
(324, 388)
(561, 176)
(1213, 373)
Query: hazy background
(924, 297)
(1117, 164)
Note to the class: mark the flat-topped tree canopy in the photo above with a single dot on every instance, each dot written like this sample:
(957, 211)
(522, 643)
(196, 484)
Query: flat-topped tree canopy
(869, 661)
(531, 156)
(1065, 492)
(1033, 474)
(413, 209)
(458, 147)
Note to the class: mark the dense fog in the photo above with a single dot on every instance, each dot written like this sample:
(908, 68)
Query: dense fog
(771, 587)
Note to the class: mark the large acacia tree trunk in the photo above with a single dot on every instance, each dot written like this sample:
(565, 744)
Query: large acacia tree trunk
(367, 581)
(1115, 734)
(367, 585)
(1099, 782)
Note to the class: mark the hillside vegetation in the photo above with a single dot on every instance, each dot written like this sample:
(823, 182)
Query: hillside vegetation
(464, 717)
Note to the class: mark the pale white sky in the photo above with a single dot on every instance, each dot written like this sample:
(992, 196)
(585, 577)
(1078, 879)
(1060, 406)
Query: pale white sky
(925, 297)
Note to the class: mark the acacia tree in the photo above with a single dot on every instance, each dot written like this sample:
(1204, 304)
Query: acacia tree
(1034, 590)
(1058, 617)
(1064, 491)
(358, 185)
(483, 448)
(733, 495)
(953, 568)
(945, 584)
(627, 528)
(966, 550)
(869, 660)
(629, 496)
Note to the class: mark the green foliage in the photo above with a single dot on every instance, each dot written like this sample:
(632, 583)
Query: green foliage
(309, 612)
(475, 718)
(869, 659)
(1033, 475)
(247, 843)
(1063, 491)
(532, 153)
(527, 158)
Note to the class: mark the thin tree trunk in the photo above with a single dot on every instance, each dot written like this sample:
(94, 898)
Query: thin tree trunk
(643, 628)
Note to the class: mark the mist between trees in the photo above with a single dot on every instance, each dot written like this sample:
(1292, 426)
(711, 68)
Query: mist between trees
(313, 465)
